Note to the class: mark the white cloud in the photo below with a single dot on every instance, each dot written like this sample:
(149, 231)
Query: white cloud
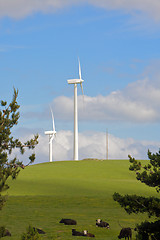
(138, 102)
(150, 7)
(91, 145)
(22, 8)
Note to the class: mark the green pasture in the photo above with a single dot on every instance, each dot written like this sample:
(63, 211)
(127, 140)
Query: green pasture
(81, 190)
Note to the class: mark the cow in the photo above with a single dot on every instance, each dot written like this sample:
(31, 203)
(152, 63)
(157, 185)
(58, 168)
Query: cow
(84, 233)
(125, 233)
(68, 221)
(100, 223)
(76, 233)
(4, 232)
(39, 230)
(87, 234)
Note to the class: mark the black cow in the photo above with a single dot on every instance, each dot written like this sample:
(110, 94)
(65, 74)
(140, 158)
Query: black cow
(68, 221)
(39, 230)
(7, 233)
(101, 223)
(125, 233)
(4, 232)
(87, 234)
(76, 233)
(84, 233)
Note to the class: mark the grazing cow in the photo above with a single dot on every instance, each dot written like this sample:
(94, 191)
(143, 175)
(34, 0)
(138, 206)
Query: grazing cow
(125, 233)
(76, 233)
(87, 234)
(4, 232)
(39, 230)
(68, 221)
(101, 223)
(84, 233)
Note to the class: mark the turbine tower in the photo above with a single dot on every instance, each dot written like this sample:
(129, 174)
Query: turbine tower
(75, 82)
(51, 135)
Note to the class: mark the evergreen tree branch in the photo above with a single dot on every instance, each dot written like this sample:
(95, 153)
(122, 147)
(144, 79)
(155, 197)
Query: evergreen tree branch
(137, 204)
(9, 117)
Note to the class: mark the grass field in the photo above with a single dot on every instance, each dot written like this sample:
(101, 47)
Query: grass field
(82, 190)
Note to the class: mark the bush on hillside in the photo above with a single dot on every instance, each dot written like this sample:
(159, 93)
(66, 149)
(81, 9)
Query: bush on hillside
(31, 234)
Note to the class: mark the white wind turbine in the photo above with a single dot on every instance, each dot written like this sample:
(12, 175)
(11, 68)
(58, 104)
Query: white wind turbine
(51, 135)
(75, 82)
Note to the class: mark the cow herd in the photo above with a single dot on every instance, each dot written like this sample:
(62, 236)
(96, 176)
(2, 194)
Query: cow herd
(124, 233)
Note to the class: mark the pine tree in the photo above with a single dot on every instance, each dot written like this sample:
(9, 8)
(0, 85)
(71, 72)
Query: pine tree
(9, 116)
(150, 175)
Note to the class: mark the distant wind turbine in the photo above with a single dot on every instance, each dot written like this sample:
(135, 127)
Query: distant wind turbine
(75, 82)
(51, 135)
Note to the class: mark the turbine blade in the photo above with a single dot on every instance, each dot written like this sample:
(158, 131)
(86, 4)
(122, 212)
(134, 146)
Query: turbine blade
(53, 120)
(82, 92)
(82, 89)
(80, 76)
(51, 138)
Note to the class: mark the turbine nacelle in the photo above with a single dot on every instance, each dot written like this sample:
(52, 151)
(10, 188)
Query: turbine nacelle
(50, 132)
(75, 81)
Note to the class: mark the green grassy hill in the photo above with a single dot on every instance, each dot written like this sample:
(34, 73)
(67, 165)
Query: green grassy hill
(82, 190)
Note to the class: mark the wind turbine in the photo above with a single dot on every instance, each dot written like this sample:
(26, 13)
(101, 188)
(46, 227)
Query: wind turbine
(75, 82)
(51, 135)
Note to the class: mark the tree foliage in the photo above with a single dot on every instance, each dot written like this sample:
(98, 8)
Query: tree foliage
(9, 116)
(150, 175)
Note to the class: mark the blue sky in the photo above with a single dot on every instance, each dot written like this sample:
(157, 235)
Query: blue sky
(118, 44)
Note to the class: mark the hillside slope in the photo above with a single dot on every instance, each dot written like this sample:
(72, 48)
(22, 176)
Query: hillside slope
(45, 193)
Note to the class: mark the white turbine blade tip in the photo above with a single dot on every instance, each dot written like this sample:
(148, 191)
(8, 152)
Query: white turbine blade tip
(80, 75)
(82, 89)
(53, 120)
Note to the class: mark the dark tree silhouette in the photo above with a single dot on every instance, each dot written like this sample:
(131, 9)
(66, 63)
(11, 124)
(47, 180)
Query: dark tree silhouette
(9, 116)
(150, 175)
